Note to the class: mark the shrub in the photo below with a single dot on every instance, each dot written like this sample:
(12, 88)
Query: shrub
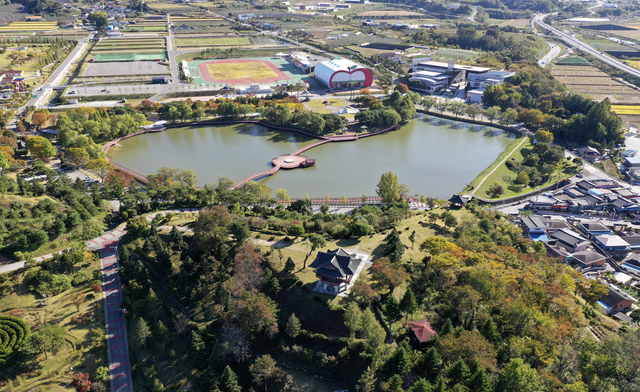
(81, 382)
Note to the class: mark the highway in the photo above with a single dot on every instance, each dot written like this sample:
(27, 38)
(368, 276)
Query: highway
(576, 43)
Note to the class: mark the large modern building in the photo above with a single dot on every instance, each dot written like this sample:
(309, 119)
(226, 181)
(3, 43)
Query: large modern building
(341, 73)
(435, 75)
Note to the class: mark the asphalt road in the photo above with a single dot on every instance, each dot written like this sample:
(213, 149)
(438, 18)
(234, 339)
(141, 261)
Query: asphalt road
(116, 323)
(576, 43)
(555, 51)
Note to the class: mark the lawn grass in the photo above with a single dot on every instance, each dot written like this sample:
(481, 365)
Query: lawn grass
(56, 374)
(221, 41)
(507, 151)
(317, 103)
(253, 70)
(506, 177)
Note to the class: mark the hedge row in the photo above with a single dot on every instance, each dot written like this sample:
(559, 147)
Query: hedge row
(13, 332)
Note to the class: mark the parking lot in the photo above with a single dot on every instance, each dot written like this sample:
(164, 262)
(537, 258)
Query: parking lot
(126, 69)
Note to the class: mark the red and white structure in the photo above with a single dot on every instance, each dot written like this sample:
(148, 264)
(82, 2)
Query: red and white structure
(341, 73)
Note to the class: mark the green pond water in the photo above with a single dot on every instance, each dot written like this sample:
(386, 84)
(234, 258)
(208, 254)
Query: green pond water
(433, 156)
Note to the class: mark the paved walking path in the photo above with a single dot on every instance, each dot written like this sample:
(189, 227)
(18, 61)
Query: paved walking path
(497, 166)
(116, 324)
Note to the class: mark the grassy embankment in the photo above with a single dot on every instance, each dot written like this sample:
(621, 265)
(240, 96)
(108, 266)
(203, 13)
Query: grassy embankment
(506, 177)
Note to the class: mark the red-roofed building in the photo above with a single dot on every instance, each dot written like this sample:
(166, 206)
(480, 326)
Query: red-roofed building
(422, 330)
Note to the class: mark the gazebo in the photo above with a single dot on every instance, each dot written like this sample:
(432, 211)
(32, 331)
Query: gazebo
(422, 330)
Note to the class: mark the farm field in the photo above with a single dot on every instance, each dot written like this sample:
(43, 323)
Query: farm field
(29, 26)
(626, 109)
(588, 80)
(390, 13)
(634, 64)
(221, 41)
(170, 7)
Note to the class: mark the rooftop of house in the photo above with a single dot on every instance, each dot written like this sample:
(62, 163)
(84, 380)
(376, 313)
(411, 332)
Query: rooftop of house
(587, 257)
(555, 249)
(568, 237)
(534, 221)
(422, 329)
(611, 240)
(631, 238)
(615, 296)
(586, 185)
(557, 224)
(336, 263)
(594, 226)
(632, 160)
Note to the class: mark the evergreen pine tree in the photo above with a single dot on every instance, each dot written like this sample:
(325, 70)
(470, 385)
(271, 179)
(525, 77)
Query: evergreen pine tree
(141, 332)
(480, 382)
(293, 327)
(458, 388)
(408, 303)
(289, 266)
(163, 335)
(430, 364)
(197, 346)
(394, 248)
(447, 328)
(458, 372)
(490, 331)
(147, 247)
(395, 383)
(229, 381)
(392, 309)
(440, 385)
(421, 385)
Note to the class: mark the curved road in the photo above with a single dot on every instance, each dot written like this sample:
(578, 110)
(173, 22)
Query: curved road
(574, 42)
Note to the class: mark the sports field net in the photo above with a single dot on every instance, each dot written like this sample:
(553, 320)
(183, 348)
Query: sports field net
(129, 56)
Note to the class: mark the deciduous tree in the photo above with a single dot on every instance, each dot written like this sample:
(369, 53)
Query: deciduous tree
(40, 147)
(388, 187)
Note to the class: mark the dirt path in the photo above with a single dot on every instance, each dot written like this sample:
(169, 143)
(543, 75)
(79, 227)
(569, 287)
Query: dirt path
(497, 166)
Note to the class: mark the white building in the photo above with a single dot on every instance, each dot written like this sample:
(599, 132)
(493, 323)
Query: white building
(474, 96)
(494, 77)
(343, 73)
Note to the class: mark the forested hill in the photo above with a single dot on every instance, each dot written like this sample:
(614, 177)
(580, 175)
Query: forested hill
(42, 6)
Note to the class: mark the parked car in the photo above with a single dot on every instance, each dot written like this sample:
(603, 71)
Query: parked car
(580, 175)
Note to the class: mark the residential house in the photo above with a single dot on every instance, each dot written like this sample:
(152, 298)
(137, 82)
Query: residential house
(632, 239)
(631, 263)
(587, 258)
(594, 228)
(605, 183)
(338, 269)
(589, 153)
(554, 225)
(569, 240)
(575, 192)
(585, 185)
(626, 193)
(616, 301)
(631, 162)
(535, 227)
(541, 202)
(555, 250)
(422, 331)
(622, 206)
(611, 243)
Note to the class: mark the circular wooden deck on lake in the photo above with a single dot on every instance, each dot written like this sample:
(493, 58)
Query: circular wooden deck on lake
(287, 161)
